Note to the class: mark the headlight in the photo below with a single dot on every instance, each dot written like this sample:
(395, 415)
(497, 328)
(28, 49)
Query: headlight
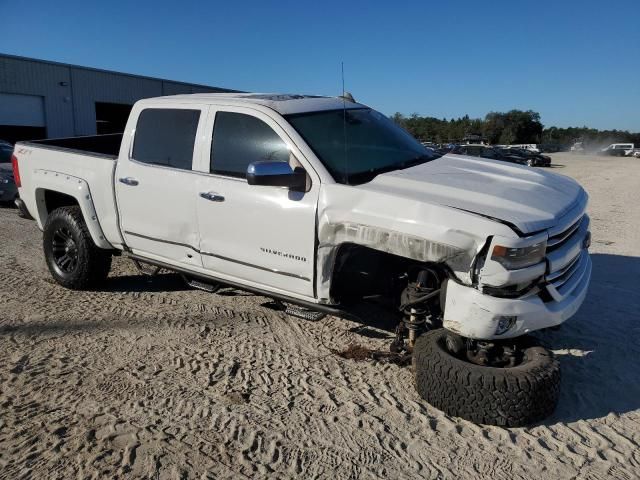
(5, 180)
(515, 258)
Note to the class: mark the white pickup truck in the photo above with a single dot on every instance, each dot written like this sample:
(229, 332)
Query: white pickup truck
(324, 203)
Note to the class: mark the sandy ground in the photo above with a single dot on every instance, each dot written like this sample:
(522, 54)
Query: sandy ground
(146, 378)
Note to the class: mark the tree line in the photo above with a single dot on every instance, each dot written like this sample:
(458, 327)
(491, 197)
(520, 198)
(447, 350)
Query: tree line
(514, 126)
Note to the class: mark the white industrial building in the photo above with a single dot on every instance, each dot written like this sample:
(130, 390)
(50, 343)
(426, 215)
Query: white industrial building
(42, 99)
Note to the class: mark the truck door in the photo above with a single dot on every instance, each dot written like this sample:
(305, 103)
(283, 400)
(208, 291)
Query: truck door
(156, 186)
(260, 235)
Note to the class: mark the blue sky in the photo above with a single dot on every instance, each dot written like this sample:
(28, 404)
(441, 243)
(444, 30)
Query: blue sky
(576, 62)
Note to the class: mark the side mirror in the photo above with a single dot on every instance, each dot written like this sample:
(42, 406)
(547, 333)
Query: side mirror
(276, 174)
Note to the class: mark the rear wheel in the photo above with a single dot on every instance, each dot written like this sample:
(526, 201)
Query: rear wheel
(73, 259)
(508, 396)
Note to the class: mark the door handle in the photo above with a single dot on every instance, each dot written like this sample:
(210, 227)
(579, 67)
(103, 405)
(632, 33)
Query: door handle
(129, 181)
(212, 196)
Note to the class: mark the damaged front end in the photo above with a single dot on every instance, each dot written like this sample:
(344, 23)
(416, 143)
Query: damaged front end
(382, 235)
(495, 282)
(457, 259)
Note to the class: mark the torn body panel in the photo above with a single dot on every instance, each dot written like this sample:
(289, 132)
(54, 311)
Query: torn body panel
(414, 230)
(383, 240)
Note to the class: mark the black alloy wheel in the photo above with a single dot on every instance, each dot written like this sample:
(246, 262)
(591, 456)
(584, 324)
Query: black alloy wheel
(73, 259)
(65, 250)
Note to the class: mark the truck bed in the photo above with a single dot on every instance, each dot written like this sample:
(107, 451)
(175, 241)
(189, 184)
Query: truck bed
(96, 145)
(82, 167)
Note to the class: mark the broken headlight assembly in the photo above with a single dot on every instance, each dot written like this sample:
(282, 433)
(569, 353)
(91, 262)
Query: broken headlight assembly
(514, 258)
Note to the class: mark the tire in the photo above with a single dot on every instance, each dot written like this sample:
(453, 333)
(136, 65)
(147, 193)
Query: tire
(66, 233)
(509, 397)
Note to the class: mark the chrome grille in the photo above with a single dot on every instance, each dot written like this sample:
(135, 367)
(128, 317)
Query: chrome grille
(557, 240)
(566, 258)
(560, 276)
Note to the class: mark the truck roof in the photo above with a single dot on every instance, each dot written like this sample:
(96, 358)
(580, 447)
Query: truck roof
(282, 103)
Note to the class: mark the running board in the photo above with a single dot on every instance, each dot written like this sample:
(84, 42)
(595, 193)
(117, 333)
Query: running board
(151, 272)
(304, 313)
(293, 310)
(319, 307)
(197, 284)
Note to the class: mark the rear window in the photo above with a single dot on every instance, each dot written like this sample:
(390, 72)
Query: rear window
(166, 136)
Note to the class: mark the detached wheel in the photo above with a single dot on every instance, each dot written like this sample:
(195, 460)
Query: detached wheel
(73, 259)
(509, 396)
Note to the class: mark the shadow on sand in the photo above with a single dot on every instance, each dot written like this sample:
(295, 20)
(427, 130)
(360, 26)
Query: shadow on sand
(164, 282)
(599, 348)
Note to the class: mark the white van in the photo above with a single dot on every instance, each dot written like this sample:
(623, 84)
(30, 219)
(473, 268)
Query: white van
(618, 149)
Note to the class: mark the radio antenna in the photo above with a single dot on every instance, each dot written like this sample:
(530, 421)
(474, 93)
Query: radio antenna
(344, 128)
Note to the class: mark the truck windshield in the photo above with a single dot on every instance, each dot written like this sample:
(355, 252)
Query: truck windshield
(355, 145)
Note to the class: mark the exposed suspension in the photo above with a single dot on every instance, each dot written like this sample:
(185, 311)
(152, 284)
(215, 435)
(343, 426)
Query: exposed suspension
(418, 304)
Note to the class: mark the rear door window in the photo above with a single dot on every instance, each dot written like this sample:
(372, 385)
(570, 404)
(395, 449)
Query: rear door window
(166, 137)
(240, 139)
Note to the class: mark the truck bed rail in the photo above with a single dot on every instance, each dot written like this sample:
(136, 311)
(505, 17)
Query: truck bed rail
(105, 146)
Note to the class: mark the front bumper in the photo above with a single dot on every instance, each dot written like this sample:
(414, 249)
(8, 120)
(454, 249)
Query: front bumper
(473, 314)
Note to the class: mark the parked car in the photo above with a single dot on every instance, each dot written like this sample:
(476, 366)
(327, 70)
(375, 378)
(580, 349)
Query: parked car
(550, 147)
(8, 189)
(443, 149)
(531, 147)
(532, 158)
(266, 196)
(6, 149)
(493, 153)
(618, 149)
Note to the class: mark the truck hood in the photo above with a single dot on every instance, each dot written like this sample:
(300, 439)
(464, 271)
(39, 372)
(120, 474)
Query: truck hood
(527, 198)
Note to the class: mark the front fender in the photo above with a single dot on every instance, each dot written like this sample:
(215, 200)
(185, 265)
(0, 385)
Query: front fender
(391, 223)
